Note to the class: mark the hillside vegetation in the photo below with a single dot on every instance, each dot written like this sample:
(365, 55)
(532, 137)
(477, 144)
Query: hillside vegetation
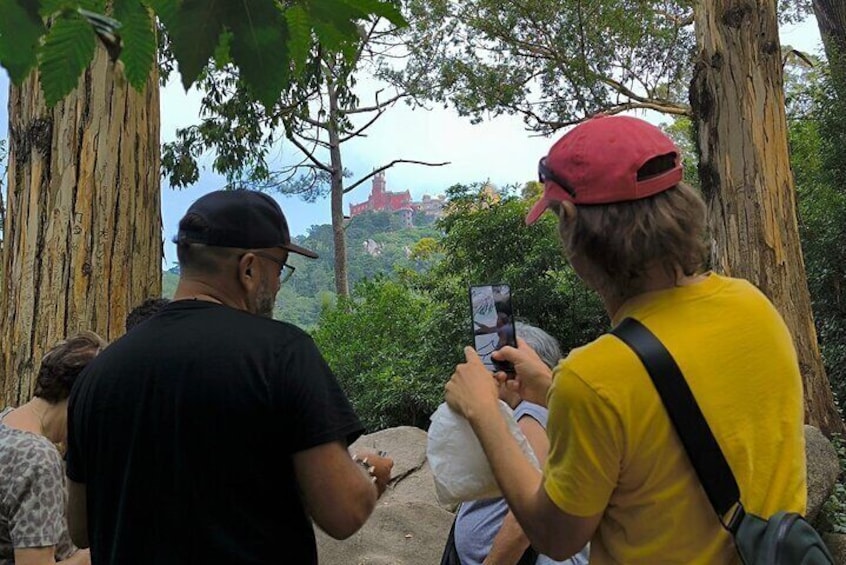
(377, 245)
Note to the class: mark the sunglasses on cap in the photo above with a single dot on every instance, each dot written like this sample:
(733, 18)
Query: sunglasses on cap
(545, 174)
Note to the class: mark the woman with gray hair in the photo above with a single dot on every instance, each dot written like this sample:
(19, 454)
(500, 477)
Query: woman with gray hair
(486, 530)
(545, 345)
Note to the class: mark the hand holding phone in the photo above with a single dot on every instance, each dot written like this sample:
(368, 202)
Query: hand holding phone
(492, 323)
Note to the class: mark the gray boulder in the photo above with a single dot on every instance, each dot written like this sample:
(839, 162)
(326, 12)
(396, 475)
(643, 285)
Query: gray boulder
(409, 527)
(836, 544)
(823, 470)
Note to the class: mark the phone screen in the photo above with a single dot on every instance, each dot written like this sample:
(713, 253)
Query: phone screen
(492, 322)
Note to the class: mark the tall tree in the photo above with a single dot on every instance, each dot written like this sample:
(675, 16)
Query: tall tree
(82, 236)
(831, 19)
(318, 117)
(555, 62)
(745, 173)
(82, 240)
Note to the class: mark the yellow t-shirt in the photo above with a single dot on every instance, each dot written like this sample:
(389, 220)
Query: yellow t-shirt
(613, 449)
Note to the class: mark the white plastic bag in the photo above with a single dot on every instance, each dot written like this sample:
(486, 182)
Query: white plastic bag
(458, 462)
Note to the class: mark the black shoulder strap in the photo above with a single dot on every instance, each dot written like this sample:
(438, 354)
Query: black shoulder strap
(450, 554)
(703, 450)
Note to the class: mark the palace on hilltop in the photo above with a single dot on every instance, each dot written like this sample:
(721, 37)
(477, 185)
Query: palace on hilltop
(382, 200)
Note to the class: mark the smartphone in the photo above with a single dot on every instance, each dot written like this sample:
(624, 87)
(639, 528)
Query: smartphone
(492, 323)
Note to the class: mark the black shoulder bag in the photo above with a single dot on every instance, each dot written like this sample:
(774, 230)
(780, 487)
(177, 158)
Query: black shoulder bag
(785, 538)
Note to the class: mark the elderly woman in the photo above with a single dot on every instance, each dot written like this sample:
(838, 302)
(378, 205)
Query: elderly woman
(486, 530)
(33, 525)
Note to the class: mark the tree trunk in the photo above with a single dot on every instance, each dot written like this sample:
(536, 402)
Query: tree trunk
(337, 194)
(831, 19)
(744, 170)
(83, 241)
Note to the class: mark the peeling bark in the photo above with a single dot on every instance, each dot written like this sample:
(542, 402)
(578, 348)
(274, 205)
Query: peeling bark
(831, 20)
(83, 240)
(738, 101)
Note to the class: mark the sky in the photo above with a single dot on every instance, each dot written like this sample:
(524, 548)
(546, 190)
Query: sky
(498, 150)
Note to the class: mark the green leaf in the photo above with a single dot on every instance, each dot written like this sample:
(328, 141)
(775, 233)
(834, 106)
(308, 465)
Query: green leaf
(51, 7)
(67, 51)
(299, 43)
(329, 37)
(339, 15)
(20, 31)
(260, 50)
(166, 10)
(386, 10)
(195, 34)
(222, 56)
(139, 41)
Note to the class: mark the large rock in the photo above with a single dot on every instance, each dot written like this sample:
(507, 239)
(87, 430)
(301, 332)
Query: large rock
(823, 470)
(408, 526)
(836, 544)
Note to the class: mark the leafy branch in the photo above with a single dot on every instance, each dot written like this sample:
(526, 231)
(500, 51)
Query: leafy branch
(265, 40)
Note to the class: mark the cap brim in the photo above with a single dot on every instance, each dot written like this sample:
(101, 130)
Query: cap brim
(551, 193)
(299, 250)
(537, 210)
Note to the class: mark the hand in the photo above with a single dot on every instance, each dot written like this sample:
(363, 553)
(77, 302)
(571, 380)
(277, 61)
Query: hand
(79, 557)
(379, 467)
(472, 387)
(531, 378)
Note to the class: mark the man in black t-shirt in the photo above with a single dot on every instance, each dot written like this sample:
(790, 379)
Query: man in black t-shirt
(212, 433)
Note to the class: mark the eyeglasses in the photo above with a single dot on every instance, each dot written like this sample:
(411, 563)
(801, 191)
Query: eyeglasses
(545, 174)
(286, 271)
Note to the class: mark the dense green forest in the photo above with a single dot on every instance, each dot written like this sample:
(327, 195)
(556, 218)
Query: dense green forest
(395, 340)
(392, 247)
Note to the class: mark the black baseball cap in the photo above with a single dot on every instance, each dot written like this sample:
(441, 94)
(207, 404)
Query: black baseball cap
(246, 219)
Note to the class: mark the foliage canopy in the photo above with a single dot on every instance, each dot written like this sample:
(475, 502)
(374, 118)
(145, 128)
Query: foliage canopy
(553, 62)
(268, 42)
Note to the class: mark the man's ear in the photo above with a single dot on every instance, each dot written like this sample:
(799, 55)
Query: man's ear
(568, 211)
(245, 270)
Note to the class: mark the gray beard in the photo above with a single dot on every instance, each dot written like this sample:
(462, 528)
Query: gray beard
(265, 301)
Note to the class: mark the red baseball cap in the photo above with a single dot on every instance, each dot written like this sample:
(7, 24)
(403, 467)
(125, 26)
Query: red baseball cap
(597, 163)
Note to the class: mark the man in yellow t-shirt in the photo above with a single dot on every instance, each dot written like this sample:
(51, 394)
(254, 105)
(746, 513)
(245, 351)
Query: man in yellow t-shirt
(617, 474)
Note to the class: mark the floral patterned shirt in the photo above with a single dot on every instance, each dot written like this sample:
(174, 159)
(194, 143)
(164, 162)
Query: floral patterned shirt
(33, 494)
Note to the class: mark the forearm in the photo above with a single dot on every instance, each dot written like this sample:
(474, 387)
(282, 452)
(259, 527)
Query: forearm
(509, 544)
(79, 557)
(47, 556)
(339, 493)
(518, 479)
(358, 500)
(550, 530)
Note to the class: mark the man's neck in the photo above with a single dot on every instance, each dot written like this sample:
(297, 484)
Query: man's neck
(655, 279)
(207, 291)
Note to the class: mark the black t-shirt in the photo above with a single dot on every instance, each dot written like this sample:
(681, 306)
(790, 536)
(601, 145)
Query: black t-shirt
(183, 431)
